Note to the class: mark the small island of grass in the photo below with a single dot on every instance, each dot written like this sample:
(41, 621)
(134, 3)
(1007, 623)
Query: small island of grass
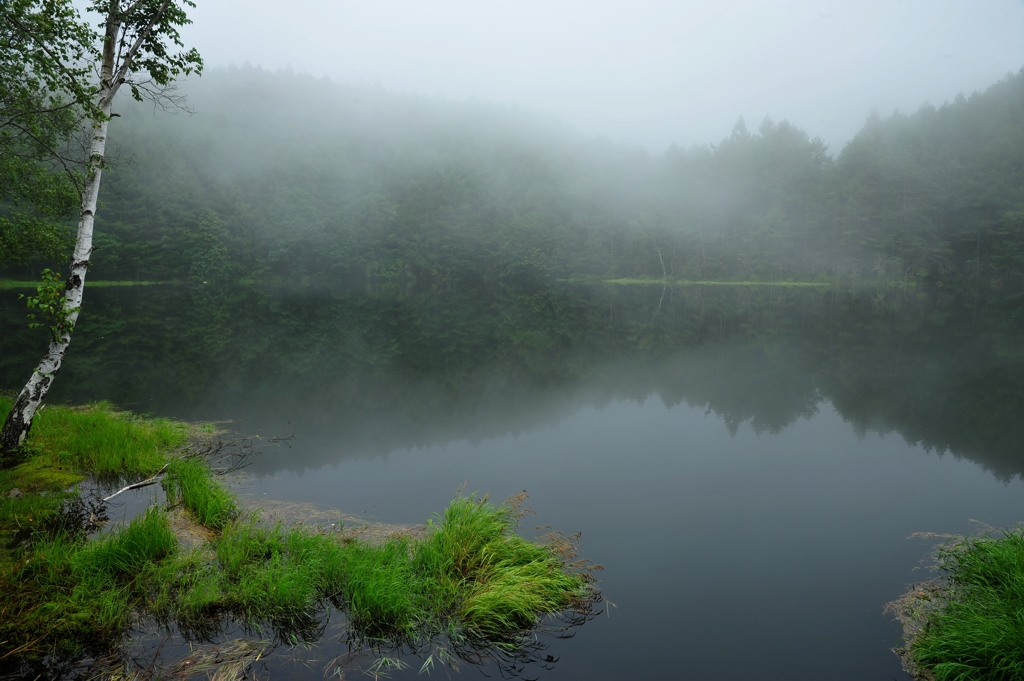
(470, 579)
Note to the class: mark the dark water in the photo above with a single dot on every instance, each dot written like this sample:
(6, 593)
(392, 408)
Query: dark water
(747, 463)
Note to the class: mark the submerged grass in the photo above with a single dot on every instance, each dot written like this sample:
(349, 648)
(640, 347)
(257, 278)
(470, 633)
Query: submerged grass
(472, 579)
(978, 633)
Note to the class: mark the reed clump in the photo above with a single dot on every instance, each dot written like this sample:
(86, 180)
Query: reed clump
(496, 582)
(978, 633)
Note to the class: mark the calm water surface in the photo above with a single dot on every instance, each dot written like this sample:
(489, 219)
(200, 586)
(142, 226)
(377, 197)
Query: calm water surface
(748, 465)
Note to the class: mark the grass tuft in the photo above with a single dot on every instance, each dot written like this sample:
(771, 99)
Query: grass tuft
(500, 583)
(147, 539)
(189, 481)
(58, 591)
(74, 593)
(384, 593)
(979, 634)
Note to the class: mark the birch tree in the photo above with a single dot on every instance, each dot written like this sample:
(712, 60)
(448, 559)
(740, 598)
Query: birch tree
(139, 47)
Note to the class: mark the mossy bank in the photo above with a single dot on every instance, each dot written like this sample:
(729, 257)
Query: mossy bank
(69, 590)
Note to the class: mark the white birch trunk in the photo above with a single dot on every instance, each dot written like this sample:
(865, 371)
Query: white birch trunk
(19, 421)
(114, 69)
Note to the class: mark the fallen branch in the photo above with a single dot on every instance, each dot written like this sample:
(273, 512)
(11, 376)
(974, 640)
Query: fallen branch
(145, 483)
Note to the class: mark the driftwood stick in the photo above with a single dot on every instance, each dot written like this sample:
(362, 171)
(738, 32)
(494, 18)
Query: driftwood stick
(145, 483)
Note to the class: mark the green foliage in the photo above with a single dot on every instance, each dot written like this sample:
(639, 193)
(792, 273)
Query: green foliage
(47, 49)
(472, 199)
(33, 204)
(45, 90)
(979, 635)
(205, 250)
(155, 24)
(49, 300)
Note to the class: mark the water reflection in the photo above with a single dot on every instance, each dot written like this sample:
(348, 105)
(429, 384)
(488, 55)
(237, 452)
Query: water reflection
(369, 375)
(747, 463)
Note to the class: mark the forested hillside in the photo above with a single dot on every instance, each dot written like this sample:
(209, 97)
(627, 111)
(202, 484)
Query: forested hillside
(284, 176)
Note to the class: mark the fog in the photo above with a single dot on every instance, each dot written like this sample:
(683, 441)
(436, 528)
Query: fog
(669, 266)
(648, 73)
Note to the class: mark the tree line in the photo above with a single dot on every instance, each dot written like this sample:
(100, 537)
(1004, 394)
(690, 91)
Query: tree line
(286, 176)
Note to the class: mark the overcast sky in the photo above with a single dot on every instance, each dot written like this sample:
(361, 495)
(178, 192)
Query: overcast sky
(645, 72)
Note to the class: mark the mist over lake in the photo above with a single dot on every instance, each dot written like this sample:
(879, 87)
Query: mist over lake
(761, 377)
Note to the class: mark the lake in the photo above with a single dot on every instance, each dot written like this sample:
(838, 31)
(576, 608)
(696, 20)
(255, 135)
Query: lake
(749, 464)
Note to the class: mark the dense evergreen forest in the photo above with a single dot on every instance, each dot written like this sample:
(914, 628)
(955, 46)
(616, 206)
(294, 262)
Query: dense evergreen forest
(284, 176)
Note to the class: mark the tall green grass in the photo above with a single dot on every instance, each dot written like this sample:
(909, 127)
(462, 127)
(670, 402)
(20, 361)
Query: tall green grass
(147, 539)
(385, 595)
(100, 441)
(69, 593)
(979, 635)
(190, 482)
(497, 582)
(65, 445)
(57, 590)
(472, 578)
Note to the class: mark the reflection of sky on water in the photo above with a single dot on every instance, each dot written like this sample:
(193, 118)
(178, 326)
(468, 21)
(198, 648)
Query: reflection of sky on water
(746, 556)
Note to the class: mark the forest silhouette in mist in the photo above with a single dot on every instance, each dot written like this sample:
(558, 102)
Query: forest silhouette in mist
(290, 177)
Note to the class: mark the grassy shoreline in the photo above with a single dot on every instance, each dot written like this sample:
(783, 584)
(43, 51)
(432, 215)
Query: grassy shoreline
(968, 625)
(471, 580)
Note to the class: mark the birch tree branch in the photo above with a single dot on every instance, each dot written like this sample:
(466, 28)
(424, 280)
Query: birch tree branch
(126, 61)
(145, 483)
